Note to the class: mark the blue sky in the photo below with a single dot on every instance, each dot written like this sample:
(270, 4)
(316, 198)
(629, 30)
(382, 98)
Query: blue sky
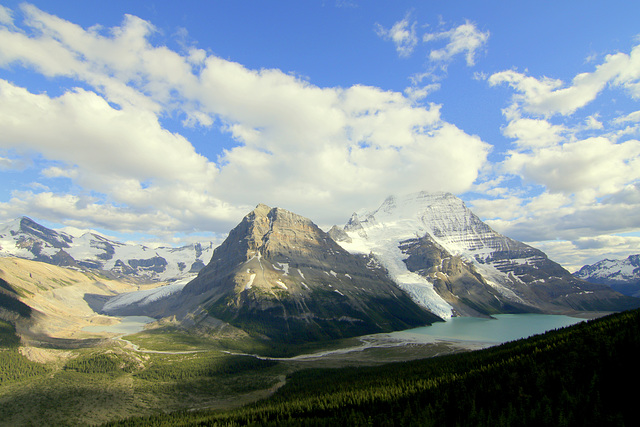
(169, 121)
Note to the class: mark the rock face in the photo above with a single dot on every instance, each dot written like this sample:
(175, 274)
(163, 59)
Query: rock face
(621, 275)
(24, 238)
(278, 275)
(448, 260)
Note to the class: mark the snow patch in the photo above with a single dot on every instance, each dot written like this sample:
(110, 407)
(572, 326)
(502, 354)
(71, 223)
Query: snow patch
(250, 282)
(282, 266)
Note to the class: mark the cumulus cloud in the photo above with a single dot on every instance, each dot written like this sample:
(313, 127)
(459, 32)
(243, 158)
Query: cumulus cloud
(596, 164)
(574, 254)
(548, 97)
(579, 172)
(530, 133)
(318, 151)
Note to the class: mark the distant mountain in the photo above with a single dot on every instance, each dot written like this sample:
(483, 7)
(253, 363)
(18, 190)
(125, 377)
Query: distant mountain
(24, 238)
(451, 262)
(278, 275)
(621, 275)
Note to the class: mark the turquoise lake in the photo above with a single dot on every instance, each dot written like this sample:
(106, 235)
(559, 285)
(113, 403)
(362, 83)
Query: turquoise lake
(505, 327)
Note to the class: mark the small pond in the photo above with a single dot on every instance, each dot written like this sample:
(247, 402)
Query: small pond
(129, 325)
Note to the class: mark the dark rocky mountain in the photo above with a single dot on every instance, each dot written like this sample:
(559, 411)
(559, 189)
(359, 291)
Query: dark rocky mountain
(448, 260)
(621, 275)
(24, 238)
(278, 275)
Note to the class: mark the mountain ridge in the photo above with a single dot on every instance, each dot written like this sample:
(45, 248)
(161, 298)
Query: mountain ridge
(622, 275)
(25, 238)
(416, 259)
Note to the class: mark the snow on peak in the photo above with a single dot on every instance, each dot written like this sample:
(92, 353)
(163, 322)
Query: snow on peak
(398, 219)
(613, 270)
(442, 215)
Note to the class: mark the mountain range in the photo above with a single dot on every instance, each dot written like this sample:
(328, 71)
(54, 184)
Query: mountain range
(621, 275)
(415, 259)
(24, 238)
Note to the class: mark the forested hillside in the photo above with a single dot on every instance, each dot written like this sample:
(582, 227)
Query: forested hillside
(579, 375)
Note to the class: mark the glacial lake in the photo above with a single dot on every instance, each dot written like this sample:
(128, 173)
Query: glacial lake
(128, 325)
(505, 327)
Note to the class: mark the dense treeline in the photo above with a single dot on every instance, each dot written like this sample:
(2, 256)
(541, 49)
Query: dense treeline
(103, 363)
(202, 367)
(579, 375)
(13, 365)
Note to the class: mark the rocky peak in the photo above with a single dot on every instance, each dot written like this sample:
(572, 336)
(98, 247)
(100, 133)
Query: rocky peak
(278, 273)
(276, 232)
(34, 230)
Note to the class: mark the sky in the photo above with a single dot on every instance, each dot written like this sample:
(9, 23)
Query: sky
(164, 121)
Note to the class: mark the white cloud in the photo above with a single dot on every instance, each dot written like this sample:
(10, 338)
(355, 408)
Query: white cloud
(317, 151)
(464, 39)
(81, 128)
(402, 34)
(592, 122)
(582, 172)
(123, 154)
(6, 16)
(548, 97)
(596, 164)
(589, 250)
(7, 163)
(633, 117)
(58, 172)
(560, 224)
(531, 133)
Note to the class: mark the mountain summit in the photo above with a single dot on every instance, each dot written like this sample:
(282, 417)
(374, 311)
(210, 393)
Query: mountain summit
(278, 275)
(451, 262)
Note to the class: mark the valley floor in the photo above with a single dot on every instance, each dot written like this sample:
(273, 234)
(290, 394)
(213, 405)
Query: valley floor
(142, 374)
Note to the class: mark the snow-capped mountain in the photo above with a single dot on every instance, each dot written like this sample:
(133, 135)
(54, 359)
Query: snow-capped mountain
(24, 238)
(622, 275)
(451, 262)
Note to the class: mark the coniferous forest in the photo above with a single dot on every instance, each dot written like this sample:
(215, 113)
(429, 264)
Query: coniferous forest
(584, 375)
